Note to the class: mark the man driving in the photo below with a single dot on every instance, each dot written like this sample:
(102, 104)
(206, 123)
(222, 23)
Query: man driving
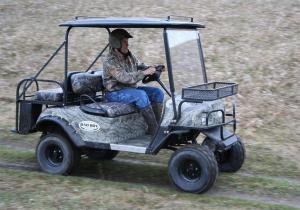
(122, 72)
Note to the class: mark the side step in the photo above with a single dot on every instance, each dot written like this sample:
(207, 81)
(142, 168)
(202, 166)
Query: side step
(128, 148)
(136, 145)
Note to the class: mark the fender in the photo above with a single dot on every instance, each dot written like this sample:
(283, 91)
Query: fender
(161, 138)
(215, 135)
(46, 121)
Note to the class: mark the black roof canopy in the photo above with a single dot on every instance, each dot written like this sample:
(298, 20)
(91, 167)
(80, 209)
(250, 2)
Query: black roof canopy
(131, 23)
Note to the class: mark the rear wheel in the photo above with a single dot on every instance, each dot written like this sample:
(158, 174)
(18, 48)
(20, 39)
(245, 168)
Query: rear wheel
(56, 155)
(193, 169)
(232, 159)
(102, 154)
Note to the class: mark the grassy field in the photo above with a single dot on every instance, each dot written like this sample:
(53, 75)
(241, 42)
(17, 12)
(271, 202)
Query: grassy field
(255, 43)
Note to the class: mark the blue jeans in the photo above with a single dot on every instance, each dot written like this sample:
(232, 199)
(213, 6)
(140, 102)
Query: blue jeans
(141, 96)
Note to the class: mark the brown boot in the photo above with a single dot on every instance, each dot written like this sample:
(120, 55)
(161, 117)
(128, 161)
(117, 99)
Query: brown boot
(157, 109)
(150, 119)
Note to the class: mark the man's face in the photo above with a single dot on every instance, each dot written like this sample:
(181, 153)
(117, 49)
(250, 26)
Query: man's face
(124, 48)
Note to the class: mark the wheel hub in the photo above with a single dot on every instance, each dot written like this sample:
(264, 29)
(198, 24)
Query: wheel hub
(191, 170)
(54, 155)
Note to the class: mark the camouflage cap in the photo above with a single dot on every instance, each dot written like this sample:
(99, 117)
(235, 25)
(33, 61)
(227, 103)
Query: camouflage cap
(116, 37)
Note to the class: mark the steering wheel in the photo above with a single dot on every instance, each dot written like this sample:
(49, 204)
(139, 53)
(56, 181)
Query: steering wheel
(155, 76)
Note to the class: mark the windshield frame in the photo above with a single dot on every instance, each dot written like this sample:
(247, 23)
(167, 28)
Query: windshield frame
(177, 38)
(169, 65)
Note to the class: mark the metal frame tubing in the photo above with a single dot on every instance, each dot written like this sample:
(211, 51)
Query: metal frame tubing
(66, 65)
(170, 73)
(44, 66)
(202, 59)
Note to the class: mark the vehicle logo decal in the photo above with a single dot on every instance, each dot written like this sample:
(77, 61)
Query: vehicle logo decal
(89, 126)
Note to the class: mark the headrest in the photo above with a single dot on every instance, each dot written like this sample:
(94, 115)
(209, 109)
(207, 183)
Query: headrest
(86, 82)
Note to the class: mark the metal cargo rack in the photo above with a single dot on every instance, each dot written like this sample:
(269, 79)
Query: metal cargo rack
(210, 91)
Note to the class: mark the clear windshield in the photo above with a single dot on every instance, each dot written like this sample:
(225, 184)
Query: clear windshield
(185, 58)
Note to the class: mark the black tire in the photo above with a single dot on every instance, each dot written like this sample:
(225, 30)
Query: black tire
(56, 155)
(102, 154)
(193, 169)
(230, 160)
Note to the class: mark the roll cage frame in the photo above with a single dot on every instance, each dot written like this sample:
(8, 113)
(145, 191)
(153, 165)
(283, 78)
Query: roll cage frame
(220, 136)
(107, 23)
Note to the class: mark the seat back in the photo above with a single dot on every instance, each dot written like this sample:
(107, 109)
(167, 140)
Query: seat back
(78, 83)
(85, 82)
(69, 84)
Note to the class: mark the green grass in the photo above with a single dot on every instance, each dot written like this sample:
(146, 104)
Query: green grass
(12, 155)
(258, 160)
(37, 190)
(257, 185)
(156, 175)
(262, 160)
(6, 134)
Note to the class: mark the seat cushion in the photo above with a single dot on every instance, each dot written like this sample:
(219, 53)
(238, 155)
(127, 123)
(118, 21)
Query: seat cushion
(108, 109)
(55, 95)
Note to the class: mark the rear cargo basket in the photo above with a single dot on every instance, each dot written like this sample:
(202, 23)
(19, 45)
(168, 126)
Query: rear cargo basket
(210, 91)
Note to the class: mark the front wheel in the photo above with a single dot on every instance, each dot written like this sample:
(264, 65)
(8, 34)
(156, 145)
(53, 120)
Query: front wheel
(232, 159)
(56, 155)
(193, 169)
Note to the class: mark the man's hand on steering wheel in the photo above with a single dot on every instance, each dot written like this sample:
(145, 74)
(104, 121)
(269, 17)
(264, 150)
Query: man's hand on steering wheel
(149, 71)
(153, 76)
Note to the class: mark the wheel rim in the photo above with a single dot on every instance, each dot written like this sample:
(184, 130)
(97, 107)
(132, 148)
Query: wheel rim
(190, 170)
(54, 155)
(222, 157)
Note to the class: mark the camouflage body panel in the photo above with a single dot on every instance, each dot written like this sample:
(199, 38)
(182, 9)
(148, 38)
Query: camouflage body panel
(113, 109)
(86, 83)
(55, 95)
(121, 71)
(99, 129)
(192, 113)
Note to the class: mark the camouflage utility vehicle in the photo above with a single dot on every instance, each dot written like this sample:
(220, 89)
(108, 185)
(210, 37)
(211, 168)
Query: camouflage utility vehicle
(75, 119)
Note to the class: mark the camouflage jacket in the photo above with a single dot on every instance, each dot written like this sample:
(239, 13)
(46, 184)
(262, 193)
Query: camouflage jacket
(120, 71)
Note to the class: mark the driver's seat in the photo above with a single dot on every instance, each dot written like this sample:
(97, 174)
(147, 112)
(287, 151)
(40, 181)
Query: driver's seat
(108, 109)
(104, 108)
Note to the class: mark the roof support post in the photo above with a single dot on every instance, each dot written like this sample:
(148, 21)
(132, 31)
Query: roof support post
(66, 66)
(202, 59)
(170, 72)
